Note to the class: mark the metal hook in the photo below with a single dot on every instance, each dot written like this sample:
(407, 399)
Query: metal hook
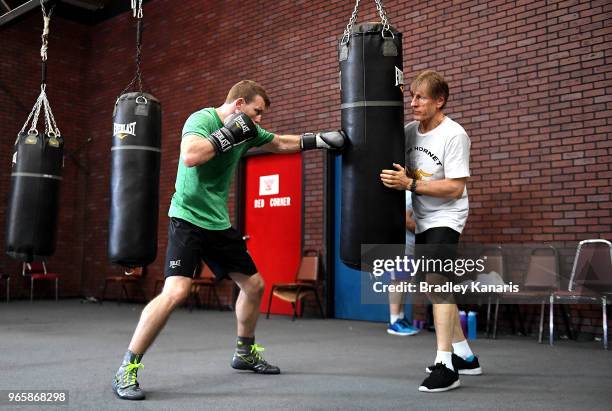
(382, 33)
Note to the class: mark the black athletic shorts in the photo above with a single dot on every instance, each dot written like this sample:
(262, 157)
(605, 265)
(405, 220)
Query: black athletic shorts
(224, 251)
(437, 243)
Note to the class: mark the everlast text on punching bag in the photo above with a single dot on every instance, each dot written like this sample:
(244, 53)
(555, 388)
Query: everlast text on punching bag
(135, 164)
(372, 116)
(34, 198)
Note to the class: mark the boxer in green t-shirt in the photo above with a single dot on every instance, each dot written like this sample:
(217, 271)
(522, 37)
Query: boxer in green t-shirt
(213, 141)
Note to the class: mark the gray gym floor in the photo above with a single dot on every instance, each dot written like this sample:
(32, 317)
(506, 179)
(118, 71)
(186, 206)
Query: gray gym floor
(326, 364)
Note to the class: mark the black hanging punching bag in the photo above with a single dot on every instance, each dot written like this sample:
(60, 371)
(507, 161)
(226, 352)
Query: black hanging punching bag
(34, 198)
(135, 163)
(373, 119)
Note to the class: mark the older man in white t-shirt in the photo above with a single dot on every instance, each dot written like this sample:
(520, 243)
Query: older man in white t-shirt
(437, 169)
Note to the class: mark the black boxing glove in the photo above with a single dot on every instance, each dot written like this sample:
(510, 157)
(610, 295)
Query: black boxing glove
(331, 140)
(238, 128)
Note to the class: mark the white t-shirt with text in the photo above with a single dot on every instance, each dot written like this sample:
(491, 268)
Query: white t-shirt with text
(443, 152)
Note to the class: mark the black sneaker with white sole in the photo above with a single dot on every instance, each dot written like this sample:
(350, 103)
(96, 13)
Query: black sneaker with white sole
(464, 367)
(441, 379)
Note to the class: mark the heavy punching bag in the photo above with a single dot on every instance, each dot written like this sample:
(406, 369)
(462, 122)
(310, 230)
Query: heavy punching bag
(373, 118)
(36, 174)
(135, 164)
(34, 197)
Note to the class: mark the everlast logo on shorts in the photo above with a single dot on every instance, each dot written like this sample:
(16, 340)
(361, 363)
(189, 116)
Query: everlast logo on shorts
(123, 130)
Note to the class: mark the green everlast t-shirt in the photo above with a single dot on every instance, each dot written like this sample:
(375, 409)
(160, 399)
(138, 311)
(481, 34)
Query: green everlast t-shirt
(201, 191)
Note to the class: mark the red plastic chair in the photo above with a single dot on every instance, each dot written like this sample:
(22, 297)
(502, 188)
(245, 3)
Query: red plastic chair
(37, 271)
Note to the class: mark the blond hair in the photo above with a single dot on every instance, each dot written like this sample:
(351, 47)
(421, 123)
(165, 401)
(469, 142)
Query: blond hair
(436, 85)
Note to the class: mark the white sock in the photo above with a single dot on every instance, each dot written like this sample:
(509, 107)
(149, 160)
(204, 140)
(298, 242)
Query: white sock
(462, 349)
(394, 318)
(445, 358)
(401, 315)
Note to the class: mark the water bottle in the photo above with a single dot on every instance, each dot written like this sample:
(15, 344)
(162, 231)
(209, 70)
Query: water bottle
(463, 321)
(471, 325)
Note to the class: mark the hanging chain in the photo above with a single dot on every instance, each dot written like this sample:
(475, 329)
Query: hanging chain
(34, 113)
(349, 26)
(138, 75)
(39, 104)
(42, 102)
(138, 69)
(137, 12)
(383, 15)
(380, 7)
(50, 124)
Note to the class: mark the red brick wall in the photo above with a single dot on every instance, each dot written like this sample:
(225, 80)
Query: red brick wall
(530, 82)
(533, 99)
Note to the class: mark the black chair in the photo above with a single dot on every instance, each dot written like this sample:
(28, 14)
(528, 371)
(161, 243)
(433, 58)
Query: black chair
(207, 280)
(541, 280)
